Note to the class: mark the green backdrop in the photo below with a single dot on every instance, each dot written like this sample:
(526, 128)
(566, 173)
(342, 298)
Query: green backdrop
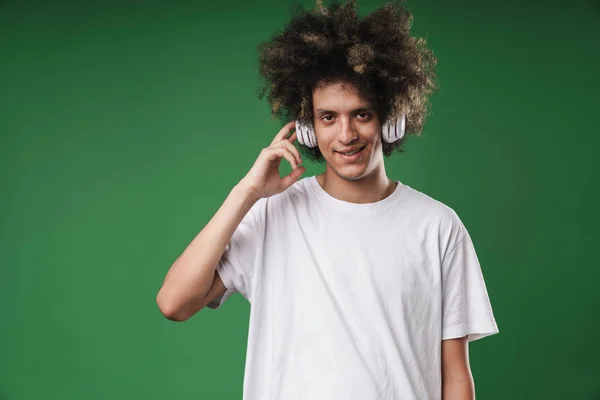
(125, 124)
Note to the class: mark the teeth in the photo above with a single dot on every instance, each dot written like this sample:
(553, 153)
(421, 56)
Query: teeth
(352, 152)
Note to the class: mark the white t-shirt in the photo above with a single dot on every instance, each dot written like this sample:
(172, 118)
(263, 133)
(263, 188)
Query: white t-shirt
(351, 301)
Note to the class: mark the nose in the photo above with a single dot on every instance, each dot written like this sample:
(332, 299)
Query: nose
(347, 133)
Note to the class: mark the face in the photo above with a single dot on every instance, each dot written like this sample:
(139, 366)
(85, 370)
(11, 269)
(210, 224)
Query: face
(348, 131)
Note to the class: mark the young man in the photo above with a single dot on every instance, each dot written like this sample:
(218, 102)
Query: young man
(360, 286)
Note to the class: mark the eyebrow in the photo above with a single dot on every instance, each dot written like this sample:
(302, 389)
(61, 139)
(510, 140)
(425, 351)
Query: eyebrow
(321, 111)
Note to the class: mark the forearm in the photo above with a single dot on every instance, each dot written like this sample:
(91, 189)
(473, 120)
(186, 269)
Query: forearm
(190, 277)
(457, 380)
(462, 390)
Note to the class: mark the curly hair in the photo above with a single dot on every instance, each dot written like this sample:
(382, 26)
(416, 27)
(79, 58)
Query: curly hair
(392, 70)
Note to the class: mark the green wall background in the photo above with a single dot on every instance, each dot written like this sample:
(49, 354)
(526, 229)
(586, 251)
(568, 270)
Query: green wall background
(125, 124)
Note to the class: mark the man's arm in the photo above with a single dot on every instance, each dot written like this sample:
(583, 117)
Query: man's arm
(192, 282)
(457, 381)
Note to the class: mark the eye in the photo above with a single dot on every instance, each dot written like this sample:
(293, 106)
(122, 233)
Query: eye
(365, 115)
(327, 116)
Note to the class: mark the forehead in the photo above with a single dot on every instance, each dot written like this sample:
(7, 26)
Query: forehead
(339, 96)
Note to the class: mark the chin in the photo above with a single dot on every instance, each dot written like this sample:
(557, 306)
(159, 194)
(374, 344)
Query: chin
(351, 172)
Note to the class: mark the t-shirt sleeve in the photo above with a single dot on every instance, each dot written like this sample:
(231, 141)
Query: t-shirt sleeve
(236, 267)
(466, 307)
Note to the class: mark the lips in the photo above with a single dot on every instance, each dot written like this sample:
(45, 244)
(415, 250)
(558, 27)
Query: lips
(351, 155)
(349, 152)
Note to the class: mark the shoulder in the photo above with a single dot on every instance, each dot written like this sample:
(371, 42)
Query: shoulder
(296, 194)
(422, 203)
(293, 197)
(438, 215)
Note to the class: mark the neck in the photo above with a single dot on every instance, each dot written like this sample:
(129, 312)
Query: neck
(374, 187)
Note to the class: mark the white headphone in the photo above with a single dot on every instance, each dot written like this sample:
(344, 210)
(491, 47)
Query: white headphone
(391, 131)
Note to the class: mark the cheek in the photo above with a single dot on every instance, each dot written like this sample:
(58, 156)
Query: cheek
(324, 141)
(375, 139)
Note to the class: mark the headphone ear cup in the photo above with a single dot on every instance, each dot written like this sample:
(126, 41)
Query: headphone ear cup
(301, 131)
(393, 129)
(306, 134)
(386, 132)
(401, 126)
(312, 136)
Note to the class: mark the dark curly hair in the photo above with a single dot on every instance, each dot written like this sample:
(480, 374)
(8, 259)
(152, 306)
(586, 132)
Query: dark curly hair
(392, 70)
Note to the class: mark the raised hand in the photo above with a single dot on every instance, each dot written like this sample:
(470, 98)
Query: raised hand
(264, 178)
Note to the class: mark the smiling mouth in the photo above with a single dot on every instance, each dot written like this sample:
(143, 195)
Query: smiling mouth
(351, 153)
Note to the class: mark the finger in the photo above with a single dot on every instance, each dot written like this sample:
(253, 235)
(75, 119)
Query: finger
(291, 148)
(292, 177)
(278, 152)
(284, 131)
(292, 138)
